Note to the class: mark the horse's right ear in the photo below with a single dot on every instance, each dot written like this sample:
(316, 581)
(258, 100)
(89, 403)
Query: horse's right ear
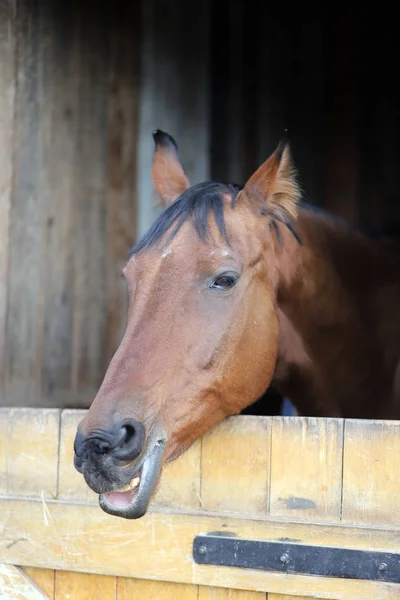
(169, 178)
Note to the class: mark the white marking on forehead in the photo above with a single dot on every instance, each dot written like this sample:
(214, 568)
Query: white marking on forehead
(225, 253)
(168, 251)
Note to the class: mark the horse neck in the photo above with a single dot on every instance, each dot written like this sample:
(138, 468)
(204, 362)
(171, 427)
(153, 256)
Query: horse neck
(338, 299)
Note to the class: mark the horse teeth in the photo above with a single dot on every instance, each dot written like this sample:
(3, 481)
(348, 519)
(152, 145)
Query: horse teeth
(134, 483)
(130, 486)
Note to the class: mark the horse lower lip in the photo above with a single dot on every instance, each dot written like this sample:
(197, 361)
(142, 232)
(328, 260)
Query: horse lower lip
(132, 504)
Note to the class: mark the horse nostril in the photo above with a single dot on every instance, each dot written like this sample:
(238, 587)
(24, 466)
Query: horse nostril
(130, 440)
(129, 434)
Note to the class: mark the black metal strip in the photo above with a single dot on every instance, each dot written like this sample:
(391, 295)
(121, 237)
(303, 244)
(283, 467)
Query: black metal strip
(297, 558)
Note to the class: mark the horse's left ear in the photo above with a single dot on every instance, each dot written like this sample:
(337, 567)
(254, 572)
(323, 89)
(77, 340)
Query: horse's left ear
(273, 186)
(169, 178)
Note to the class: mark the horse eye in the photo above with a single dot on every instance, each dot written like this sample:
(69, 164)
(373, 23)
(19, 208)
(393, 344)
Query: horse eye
(224, 281)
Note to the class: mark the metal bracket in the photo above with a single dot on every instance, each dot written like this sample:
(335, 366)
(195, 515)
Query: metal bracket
(286, 557)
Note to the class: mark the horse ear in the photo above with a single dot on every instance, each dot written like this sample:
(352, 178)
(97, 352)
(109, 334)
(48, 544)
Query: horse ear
(169, 178)
(273, 186)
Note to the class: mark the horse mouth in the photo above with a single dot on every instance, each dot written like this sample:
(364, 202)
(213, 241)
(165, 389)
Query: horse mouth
(132, 500)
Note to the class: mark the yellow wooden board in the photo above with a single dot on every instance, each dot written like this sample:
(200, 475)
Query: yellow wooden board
(84, 586)
(371, 472)
(306, 468)
(213, 593)
(140, 589)
(29, 452)
(286, 597)
(235, 466)
(180, 481)
(81, 537)
(44, 579)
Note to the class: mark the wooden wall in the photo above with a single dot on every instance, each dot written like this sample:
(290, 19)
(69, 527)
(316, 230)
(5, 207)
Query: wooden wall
(68, 131)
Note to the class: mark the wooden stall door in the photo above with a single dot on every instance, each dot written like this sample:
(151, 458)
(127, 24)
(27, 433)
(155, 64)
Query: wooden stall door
(321, 482)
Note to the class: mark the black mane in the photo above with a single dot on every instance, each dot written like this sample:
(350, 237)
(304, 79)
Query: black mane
(196, 203)
(203, 199)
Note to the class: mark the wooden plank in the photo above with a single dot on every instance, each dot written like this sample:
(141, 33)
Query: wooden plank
(29, 452)
(371, 472)
(44, 579)
(212, 593)
(57, 535)
(60, 110)
(235, 466)
(25, 318)
(122, 132)
(7, 96)
(306, 468)
(16, 585)
(179, 486)
(90, 210)
(127, 589)
(83, 586)
(287, 597)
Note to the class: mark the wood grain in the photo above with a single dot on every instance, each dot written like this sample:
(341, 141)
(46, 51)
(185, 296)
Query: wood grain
(29, 452)
(212, 593)
(90, 217)
(371, 473)
(60, 109)
(122, 132)
(25, 317)
(306, 468)
(84, 586)
(180, 482)
(130, 589)
(58, 535)
(7, 97)
(235, 466)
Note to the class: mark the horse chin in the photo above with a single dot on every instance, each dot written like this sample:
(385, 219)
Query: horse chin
(133, 500)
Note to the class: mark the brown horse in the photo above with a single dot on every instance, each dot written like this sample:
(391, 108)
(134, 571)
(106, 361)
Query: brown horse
(231, 290)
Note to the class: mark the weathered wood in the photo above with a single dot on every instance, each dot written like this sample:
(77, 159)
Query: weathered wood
(122, 132)
(180, 481)
(29, 452)
(25, 317)
(84, 586)
(152, 590)
(56, 535)
(306, 468)
(235, 466)
(287, 597)
(7, 96)
(211, 593)
(60, 108)
(90, 275)
(68, 221)
(16, 585)
(371, 473)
